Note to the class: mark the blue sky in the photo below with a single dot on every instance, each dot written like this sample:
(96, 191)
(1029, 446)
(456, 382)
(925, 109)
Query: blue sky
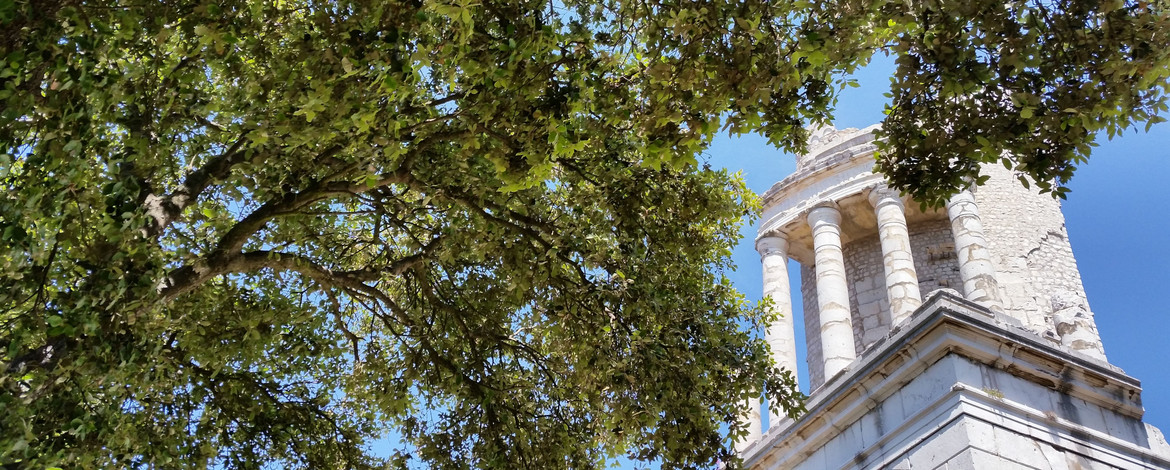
(1116, 216)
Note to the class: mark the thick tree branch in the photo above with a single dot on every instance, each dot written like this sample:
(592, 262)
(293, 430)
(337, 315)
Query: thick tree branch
(44, 357)
(524, 227)
(190, 277)
(163, 210)
(227, 258)
(235, 238)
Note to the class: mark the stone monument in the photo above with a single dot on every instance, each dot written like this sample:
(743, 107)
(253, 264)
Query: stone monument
(954, 338)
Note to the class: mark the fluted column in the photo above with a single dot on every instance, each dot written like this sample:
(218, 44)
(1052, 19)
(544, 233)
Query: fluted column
(754, 423)
(837, 346)
(897, 259)
(975, 265)
(780, 334)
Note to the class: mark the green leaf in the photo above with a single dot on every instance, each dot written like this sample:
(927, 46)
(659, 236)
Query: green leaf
(1154, 120)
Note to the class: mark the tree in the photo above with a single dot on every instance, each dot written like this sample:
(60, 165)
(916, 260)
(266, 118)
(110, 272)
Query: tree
(1027, 84)
(249, 233)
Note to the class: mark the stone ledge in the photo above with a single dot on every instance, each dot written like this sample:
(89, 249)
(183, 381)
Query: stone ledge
(947, 325)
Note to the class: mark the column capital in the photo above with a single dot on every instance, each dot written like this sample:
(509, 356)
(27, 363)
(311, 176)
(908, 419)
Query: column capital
(825, 212)
(881, 195)
(772, 242)
(962, 197)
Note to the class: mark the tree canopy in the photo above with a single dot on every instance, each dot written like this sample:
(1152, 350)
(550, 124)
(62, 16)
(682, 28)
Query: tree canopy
(244, 234)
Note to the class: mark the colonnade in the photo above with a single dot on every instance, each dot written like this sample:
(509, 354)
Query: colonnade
(836, 326)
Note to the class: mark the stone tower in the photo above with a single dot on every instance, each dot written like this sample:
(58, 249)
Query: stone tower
(956, 338)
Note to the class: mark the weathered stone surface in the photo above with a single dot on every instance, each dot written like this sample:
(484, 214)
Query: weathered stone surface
(971, 245)
(1034, 260)
(781, 334)
(836, 324)
(1024, 384)
(897, 256)
(1075, 325)
(940, 394)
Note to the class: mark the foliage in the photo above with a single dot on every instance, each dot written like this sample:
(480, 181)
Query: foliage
(1029, 84)
(244, 233)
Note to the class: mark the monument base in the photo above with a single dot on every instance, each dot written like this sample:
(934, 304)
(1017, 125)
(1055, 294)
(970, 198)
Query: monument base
(959, 387)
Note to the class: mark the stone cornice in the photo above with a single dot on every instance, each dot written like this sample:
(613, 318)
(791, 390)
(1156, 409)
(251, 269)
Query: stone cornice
(823, 158)
(946, 325)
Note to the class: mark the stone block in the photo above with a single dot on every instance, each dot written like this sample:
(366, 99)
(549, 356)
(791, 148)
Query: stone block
(925, 389)
(980, 435)
(890, 413)
(870, 428)
(1125, 428)
(870, 321)
(1021, 450)
(863, 284)
(939, 447)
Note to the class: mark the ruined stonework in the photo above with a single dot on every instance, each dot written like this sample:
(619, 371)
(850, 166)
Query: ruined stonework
(1038, 277)
(957, 337)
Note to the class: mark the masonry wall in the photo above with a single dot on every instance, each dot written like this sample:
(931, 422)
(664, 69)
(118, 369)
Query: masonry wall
(935, 261)
(868, 300)
(1038, 277)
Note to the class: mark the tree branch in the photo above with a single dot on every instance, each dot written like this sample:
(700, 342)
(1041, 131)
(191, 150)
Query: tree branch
(226, 257)
(235, 238)
(190, 277)
(163, 210)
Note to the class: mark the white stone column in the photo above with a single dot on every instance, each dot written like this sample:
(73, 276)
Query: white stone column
(975, 265)
(754, 423)
(837, 346)
(781, 334)
(897, 259)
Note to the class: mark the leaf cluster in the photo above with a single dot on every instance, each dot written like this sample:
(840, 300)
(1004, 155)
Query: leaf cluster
(1029, 84)
(242, 233)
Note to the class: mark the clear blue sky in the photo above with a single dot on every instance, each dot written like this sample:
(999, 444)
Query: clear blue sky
(1116, 217)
